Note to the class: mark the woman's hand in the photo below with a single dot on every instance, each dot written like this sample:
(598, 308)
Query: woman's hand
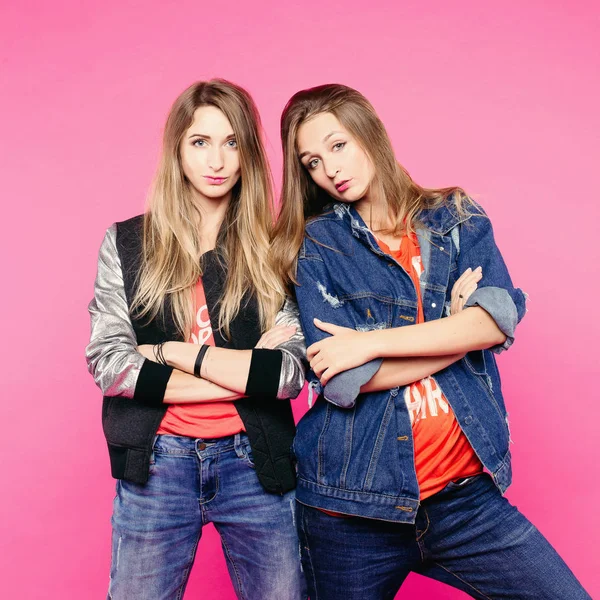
(275, 336)
(348, 348)
(345, 349)
(465, 285)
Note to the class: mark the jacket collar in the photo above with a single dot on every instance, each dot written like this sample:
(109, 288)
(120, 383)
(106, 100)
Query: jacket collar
(439, 220)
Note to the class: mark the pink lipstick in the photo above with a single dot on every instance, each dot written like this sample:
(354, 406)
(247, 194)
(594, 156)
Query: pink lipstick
(342, 186)
(215, 180)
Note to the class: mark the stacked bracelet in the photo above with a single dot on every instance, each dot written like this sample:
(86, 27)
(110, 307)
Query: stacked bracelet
(159, 354)
(201, 354)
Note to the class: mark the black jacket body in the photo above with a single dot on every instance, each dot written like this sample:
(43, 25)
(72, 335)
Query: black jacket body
(130, 424)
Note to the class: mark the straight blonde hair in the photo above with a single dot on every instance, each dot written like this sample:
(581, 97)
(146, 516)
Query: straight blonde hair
(171, 262)
(302, 198)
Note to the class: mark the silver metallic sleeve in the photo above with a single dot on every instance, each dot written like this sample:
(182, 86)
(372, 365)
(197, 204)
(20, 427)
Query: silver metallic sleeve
(111, 355)
(294, 364)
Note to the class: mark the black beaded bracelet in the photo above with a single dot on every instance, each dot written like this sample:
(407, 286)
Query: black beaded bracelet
(201, 354)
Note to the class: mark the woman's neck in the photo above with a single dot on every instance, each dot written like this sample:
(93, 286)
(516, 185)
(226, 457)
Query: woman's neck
(376, 215)
(212, 213)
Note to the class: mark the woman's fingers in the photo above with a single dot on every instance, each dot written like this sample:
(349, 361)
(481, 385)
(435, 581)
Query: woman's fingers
(465, 285)
(312, 350)
(275, 336)
(466, 279)
(464, 275)
(324, 368)
(468, 286)
(278, 338)
(318, 366)
(329, 327)
(326, 376)
(454, 296)
(466, 294)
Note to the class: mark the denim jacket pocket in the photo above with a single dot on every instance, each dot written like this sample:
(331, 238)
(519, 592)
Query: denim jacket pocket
(365, 310)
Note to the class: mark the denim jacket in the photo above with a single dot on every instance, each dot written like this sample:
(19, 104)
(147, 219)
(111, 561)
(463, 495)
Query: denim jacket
(355, 451)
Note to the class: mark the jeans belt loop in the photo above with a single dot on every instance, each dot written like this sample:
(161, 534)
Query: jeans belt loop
(237, 445)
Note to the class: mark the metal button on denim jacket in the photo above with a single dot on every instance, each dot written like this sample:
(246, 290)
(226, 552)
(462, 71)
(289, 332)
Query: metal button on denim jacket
(355, 452)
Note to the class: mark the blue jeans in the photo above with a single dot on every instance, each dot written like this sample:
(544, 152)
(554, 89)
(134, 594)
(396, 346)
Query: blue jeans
(157, 526)
(467, 536)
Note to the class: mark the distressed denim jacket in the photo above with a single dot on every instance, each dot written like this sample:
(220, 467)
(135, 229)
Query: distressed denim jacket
(355, 451)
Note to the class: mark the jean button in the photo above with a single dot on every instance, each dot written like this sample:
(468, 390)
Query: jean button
(201, 446)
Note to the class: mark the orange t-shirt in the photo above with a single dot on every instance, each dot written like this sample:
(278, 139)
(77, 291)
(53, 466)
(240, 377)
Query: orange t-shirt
(205, 419)
(442, 451)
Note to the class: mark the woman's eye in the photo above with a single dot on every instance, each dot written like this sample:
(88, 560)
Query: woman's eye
(339, 146)
(199, 143)
(232, 143)
(312, 164)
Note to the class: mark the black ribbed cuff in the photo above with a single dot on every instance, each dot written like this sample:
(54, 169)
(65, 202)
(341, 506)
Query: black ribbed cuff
(152, 383)
(265, 371)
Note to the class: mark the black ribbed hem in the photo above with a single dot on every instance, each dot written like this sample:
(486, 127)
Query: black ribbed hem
(152, 383)
(265, 371)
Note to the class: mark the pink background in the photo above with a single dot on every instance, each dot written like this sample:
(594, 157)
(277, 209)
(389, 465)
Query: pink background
(500, 98)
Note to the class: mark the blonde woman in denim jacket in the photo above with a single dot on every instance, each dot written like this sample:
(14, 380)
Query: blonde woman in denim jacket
(404, 300)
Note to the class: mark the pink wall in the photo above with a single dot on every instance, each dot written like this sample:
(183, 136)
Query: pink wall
(500, 98)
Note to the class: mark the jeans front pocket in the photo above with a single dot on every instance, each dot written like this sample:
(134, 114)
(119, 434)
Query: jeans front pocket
(463, 482)
(244, 453)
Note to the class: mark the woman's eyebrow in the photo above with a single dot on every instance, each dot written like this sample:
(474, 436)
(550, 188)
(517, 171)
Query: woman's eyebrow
(208, 137)
(329, 135)
(303, 154)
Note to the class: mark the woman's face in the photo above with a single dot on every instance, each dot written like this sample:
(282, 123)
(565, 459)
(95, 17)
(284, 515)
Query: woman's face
(333, 158)
(209, 153)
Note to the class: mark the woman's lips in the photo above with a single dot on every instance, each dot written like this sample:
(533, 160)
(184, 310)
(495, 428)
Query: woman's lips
(343, 185)
(215, 180)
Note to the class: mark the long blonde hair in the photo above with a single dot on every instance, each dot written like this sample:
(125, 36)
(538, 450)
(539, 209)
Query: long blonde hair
(171, 248)
(302, 198)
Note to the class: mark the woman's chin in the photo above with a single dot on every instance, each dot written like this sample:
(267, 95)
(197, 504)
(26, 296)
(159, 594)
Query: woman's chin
(350, 197)
(213, 192)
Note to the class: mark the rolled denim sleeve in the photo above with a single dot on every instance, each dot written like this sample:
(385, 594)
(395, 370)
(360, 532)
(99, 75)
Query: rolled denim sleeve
(311, 292)
(496, 293)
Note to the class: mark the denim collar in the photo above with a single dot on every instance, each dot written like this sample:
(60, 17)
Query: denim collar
(439, 220)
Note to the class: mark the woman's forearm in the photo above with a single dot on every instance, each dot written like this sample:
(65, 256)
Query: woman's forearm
(397, 372)
(471, 329)
(221, 366)
(184, 388)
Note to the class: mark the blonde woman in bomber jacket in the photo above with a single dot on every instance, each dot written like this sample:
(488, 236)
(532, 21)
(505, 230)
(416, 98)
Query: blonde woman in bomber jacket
(197, 355)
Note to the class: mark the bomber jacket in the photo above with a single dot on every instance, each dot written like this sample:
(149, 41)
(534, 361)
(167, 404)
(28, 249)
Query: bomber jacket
(134, 387)
(354, 451)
